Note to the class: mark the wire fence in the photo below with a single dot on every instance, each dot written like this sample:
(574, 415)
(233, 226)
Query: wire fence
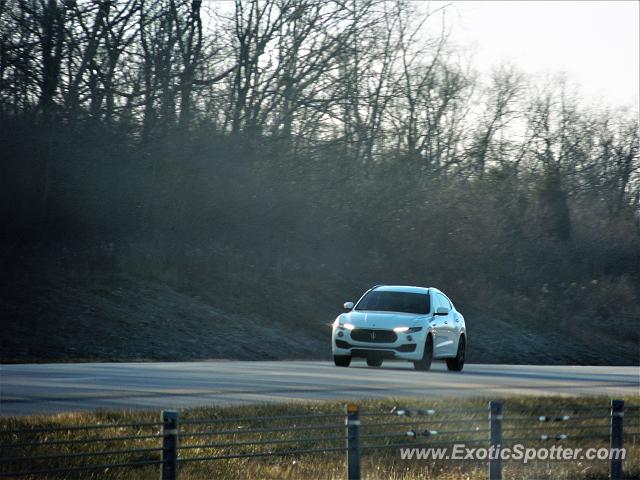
(169, 443)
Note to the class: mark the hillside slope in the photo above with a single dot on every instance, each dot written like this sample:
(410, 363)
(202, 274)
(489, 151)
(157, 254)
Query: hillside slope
(139, 320)
(132, 319)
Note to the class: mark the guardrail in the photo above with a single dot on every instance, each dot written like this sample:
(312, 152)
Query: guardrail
(170, 442)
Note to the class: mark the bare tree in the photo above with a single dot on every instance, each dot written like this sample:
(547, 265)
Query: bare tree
(501, 109)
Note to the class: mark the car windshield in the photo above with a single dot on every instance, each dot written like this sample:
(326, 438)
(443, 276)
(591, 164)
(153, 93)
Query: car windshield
(385, 301)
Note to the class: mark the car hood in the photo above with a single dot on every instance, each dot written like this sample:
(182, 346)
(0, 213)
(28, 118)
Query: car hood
(384, 320)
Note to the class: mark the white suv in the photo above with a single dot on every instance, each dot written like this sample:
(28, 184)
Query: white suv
(417, 324)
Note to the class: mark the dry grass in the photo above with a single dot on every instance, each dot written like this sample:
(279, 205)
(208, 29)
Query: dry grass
(376, 464)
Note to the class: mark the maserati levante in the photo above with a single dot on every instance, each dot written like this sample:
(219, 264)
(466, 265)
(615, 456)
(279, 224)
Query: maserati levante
(417, 324)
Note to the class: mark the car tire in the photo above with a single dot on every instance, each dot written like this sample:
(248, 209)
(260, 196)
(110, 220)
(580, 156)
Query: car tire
(456, 364)
(374, 361)
(342, 360)
(424, 363)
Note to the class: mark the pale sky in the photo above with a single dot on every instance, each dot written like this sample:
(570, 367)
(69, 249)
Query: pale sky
(596, 43)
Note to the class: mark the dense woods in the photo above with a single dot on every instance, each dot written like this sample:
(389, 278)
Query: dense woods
(325, 145)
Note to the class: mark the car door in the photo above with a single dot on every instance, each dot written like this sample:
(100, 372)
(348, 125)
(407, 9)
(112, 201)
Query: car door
(458, 322)
(440, 338)
(447, 328)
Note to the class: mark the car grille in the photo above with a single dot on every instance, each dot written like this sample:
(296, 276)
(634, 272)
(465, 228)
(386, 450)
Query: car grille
(373, 336)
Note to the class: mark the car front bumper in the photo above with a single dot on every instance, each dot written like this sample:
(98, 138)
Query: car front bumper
(405, 347)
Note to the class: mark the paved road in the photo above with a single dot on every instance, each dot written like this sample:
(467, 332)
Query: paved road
(50, 388)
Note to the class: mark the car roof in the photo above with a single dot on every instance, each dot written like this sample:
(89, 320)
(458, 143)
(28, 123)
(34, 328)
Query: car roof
(401, 288)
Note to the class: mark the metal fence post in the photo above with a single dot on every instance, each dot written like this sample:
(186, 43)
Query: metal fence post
(617, 415)
(495, 423)
(169, 445)
(352, 423)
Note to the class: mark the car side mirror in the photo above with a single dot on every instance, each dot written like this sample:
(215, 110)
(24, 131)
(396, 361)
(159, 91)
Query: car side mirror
(442, 311)
(348, 305)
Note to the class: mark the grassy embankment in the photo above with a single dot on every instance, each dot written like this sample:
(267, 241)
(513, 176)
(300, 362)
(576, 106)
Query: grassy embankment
(126, 317)
(376, 464)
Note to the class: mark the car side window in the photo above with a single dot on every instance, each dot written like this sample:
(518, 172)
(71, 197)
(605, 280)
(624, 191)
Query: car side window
(435, 298)
(443, 302)
(447, 302)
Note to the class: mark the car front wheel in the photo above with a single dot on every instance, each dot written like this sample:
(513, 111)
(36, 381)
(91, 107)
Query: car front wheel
(456, 363)
(425, 362)
(342, 360)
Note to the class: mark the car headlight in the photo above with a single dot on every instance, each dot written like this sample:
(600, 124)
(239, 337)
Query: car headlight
(407, 329)
(343, 326)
